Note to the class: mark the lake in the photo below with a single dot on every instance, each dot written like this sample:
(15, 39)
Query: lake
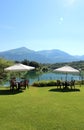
(33, 77)
(52, 76)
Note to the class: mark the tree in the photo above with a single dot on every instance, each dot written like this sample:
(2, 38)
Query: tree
(25, 62)
(34, 64)
(3, 64)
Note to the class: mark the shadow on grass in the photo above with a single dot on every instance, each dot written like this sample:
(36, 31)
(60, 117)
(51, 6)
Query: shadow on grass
(64, 90)
(10, 92)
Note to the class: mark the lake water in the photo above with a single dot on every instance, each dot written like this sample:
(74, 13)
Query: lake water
(33, 77)
(53, 76)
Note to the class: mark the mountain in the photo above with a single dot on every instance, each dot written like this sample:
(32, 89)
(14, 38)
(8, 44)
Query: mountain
(44, 56)
(22, 53)
(57, 55)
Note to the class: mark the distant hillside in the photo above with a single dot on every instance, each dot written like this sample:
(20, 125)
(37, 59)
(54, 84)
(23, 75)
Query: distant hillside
(22, 53)
(44, 56)
(57, 55)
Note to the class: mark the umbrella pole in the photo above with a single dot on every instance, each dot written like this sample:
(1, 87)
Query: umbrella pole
(66, 77)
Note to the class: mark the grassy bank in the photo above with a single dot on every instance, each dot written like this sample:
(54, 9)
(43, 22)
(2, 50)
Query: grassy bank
(42, 109)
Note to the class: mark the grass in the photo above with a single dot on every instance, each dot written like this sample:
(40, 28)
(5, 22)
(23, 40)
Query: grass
(42, 109)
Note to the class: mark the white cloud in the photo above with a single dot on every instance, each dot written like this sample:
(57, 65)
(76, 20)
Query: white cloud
(61, 20)
(69, 2)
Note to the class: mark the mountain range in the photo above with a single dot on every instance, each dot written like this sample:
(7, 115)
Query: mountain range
(43, 56)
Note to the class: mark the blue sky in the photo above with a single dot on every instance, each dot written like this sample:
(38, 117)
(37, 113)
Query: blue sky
(42, 25)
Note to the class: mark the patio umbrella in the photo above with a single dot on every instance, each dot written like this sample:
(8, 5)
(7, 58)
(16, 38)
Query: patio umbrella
(19, 67)
(67, 69)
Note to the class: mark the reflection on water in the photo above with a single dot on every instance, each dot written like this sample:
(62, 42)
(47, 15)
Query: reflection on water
(51, 76)
(33, 77)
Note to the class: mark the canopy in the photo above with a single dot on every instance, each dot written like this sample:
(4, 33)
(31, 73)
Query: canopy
(67, 69)
(19, 67)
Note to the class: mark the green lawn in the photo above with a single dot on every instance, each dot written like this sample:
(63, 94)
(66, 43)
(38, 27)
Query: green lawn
(42, 109)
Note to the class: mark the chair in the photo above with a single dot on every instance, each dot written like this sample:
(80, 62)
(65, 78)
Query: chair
(24, 84)
(58, 83)
(72, 83)
(13, 84)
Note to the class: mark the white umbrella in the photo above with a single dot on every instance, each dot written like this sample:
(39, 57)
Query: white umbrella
(19, 67)
(67, 69)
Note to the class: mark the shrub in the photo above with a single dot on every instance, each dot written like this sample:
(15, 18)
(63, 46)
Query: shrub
(44, 83)
(51, 83)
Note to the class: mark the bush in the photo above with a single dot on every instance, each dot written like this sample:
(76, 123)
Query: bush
(44, 83)
(51, 83)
